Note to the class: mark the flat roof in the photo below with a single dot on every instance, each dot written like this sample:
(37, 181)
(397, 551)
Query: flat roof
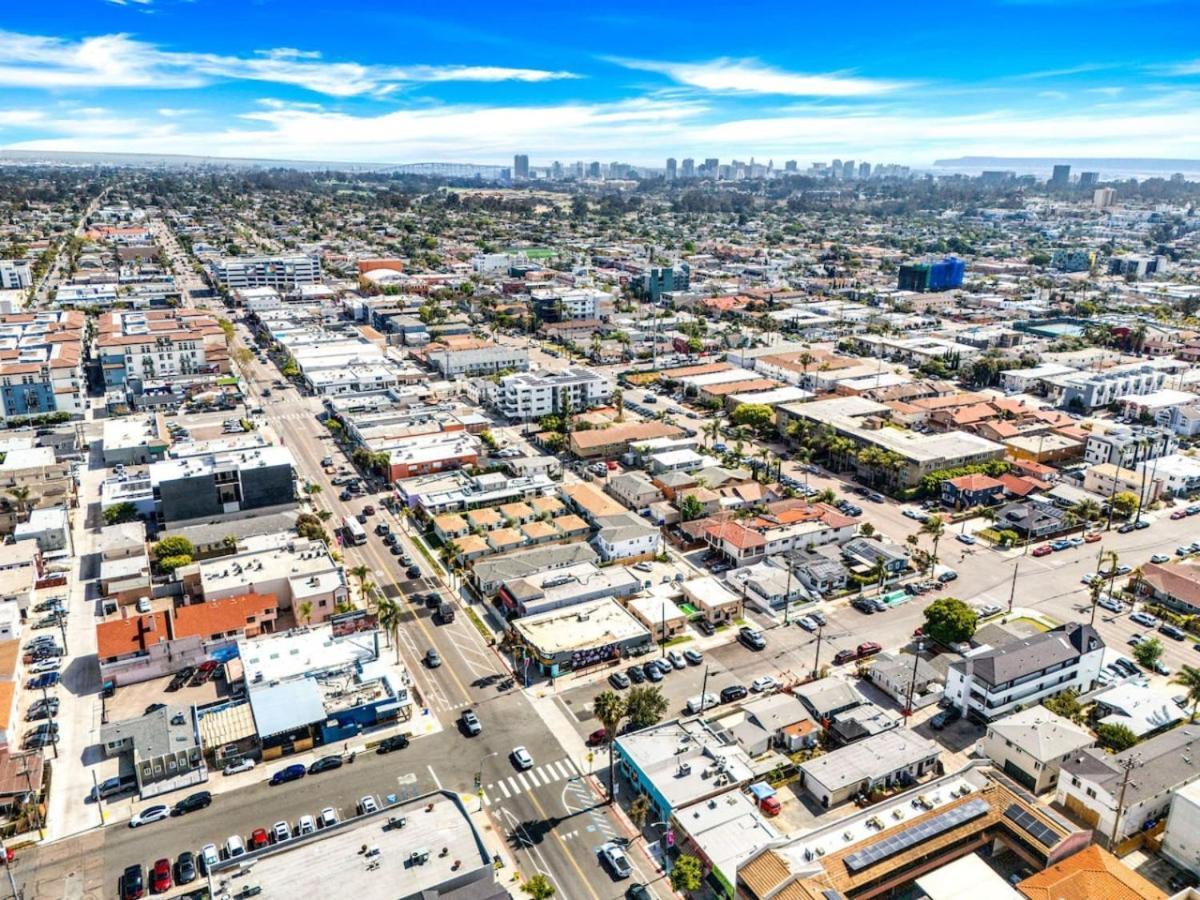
(278, 657)
(967, 878)
(279, 708)
(580, 626)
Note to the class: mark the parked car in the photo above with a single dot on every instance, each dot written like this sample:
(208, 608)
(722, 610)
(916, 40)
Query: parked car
(636, 674)
(160, 877)
(1175, 634)
(616, 860)
(325, 764)
(706, 627)
(259, 839)
(367, 805)
(1110, 604)
(676, 659)
(653, 672)
(693, 656)
(149, 815)
(209, 857)
(390, 744)
(763, 684)
(306, 824)
(289, 773)
(192, 802)
(947, 716)
(133, 883)
(327, 817)
(185, 867)
(619, 680)
(242, 765)
(733, 692)
(281, 832)
(967, 539)
(1144, 618)
(597, 737)
(45, 680)
(752, 638)
(413, 572)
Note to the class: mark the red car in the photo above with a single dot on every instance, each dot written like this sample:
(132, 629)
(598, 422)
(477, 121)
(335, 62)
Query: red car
(1091, 537)
(1043, 550)
(160, 878)
(868, 648)
(259, 839)
(1179, 514)
(597, 737)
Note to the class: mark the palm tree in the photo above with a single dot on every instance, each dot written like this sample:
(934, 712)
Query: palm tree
(826, 496)
(1189, 677)
(933, 527)
(712, 430)
(609, 708)
(390, 616)
(1096, 588)
(618, 398)
(803, 456)
(306, 609)
(450, 551)
(879, 570)
(765, 455)
(20, 494)
(1086, 510)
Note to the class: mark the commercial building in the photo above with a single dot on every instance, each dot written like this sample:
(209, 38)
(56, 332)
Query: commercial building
(1089, 390)
(533, 395)
(488, 575)
(556, 305)
(614, 441)
(894, 757)
(658, 280)
(578, 637)
(1094, 787)
(720, 832)
(15, 274)
(41, 364)
(455, 357)
(159, 344)
(1092, 872)
(938, 276)
(130, 440)
(230, 483)
(163, 749)
(284, 273)
(566, 587)
(1181, 838)
(1030, 745)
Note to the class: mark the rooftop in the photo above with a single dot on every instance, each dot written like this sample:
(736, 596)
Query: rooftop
(579, 627)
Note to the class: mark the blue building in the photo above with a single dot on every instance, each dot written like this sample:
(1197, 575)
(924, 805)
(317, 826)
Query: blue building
(658, 280)
(932, 277)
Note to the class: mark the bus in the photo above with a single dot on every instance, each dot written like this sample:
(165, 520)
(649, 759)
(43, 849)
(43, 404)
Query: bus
(352, 531)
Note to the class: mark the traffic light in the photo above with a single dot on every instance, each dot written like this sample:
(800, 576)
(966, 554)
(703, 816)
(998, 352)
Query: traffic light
(478, 780)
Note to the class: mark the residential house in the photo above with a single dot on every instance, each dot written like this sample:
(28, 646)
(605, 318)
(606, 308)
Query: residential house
(893, 758)
(1031, 744)
(1174, 585)
(967, 491)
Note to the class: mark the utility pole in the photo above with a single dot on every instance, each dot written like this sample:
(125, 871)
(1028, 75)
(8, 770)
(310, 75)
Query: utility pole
(99, 799)
(50, 719)
(1128, 765)
(787, 594)
(1012, 591)
(817, 657)
(37, 813)
(704, 690)
(12, 881)
(912, 685)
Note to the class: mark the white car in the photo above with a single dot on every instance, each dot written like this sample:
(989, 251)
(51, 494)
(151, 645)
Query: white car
(242, 765)
(234, 847)
(281, 831)
(209, 857)
(46, 665)
(616, 860)
(367, 805)
(521, 758)
(327, 817)
(763, 685)
(1160, 558)
(148, 815)
(1088, 578)
(306, 824)
(808, 623)
(1144, 618)
(676, 659)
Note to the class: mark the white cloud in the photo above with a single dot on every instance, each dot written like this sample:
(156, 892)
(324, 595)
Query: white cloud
(748, 76)
(119, 60)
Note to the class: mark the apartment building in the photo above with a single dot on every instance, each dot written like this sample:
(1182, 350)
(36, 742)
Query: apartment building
(1088, 390)
(154, 345)
(533, 395)
(15, 274)
(1032, 744)
(41, 367)
(227, 483)
(1128, 446)
(992, 682)
(284, 272)
(552, 305)
(465, 356)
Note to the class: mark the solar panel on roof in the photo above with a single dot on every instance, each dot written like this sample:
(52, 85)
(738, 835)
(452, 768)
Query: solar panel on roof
(1032, 826)
(916, 834)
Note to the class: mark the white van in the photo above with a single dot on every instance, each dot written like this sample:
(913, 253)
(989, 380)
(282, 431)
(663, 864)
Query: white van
(234, 847)
(699, 703)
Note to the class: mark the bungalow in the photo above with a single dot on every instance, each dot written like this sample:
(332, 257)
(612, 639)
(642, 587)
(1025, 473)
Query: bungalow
(716, 604)
(487, 519)
(539, 533)
(572, 527)
(967, 491)
(450, 527)
(1031, 519)
(818, 573)
(517, 513)
(502, 540)
(660, 615)
(867, 553)
(1176, 585)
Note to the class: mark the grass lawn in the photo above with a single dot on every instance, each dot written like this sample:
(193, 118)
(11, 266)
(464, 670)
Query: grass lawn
(1034, 622)
(678, 639)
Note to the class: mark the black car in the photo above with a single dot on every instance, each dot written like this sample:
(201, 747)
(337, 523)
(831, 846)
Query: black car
(185, 868)
(1126, 528)
(387, 745)
(389, 539)
(412, 572)
(863, 605)
(133, 883)
(192, 802)
(1171, 631)
(153, 708)
(325, 764)
(706, 627)
(637, 892)
(733, 692)
(636, 675)
(947, 716)
(42, 710)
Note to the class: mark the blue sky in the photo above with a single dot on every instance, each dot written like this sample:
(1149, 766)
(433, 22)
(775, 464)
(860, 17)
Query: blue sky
(406, 82)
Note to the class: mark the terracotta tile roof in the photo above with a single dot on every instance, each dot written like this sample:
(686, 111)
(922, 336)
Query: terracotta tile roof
(1178, 581)
(1091, 874)
(222, 616)
(975, 482)
(121, 637)
(736, 534)
(12, 772)
(703, 369)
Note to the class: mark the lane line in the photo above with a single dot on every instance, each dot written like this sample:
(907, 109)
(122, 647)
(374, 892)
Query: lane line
(436, 780)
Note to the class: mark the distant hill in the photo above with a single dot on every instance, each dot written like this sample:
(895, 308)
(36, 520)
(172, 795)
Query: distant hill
(176, 161)
(1108, 167)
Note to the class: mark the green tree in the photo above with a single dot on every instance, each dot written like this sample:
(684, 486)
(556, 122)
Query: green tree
(1066, 705)
(169, 564)
(20, 495)
(690, 508)
(1124, 503)
(1189, 677)
(609, 708)
(753, 415)
(1148, 652)
(174, 545)
(1115, 737)
(645, 705)
(686, 874)
(933, 528)
(390, 616)
(539, 887)
(306, 611)
(639, 811)
(949, 621)
(120, 512)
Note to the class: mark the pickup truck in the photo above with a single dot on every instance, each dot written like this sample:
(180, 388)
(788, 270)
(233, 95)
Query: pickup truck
(862, 651)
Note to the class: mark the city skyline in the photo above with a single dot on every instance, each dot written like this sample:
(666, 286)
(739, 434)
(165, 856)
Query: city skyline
(371, 85)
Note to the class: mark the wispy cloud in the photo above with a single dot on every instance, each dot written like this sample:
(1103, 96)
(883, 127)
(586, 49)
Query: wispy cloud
(119, 60)
(1082, 69)
(749, 76)
(1191, 67)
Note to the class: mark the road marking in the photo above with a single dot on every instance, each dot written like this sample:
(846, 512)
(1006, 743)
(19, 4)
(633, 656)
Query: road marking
(521, 781)
(571, 859)
(564, 770)
(503, 789)
(436, 780)
(543, 868)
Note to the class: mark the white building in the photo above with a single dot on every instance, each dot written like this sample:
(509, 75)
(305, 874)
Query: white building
(15, 274)
(258, 299)
(626, 537)
(280, 272)
(1181, 840)
(529, 396)
(1177, 473)
(991, 682)
(1126, 446)
(476, 358)
(1032, 744)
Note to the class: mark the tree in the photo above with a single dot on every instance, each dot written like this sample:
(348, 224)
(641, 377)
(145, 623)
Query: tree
(1148, 652)
(539, 887)
(1115, 737)
(174, 545)
(618, 398)
(1124, 503)
(686, 874)
(690, 508)
(753, 415)
(169, 564)
(867, 529)
(639, 811)
(306, 611)
(309, 526)
(390, 616)
(1066, 705)
(20, 495)
(933, 527)
(1189, 677)
(949, 621)
(120, 512)
(609, 708)
(645, 705)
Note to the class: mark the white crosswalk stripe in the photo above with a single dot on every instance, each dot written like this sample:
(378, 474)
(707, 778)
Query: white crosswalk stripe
(524, 784)
(531, 779)
(504, 789)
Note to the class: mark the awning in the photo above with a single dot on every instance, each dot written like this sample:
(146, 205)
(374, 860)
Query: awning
(761, 791)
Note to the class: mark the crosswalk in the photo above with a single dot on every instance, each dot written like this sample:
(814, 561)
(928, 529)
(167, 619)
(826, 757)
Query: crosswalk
(530, 779)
